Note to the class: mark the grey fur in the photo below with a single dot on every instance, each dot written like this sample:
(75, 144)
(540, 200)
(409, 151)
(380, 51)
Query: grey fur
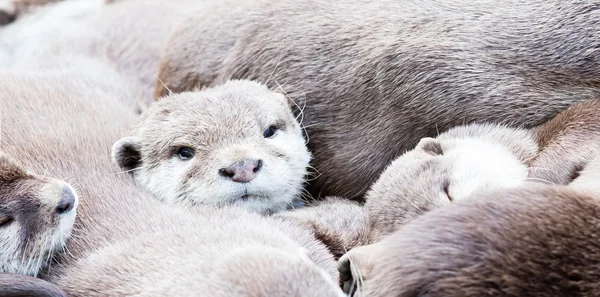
(377, 76)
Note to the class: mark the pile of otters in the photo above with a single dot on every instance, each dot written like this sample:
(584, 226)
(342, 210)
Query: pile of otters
(300, 148)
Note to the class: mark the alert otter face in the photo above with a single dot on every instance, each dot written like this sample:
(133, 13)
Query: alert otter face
(440, 171)
(36, 218)
(237, 143)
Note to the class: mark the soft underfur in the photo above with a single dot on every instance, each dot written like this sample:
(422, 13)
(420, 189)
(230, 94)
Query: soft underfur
(462, 161)
(537, 240)
(377, 76)
(127, 243)
(567, 143)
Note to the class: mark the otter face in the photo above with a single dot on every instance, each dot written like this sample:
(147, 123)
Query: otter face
(438, 172)
(237, 143)
(36, 218)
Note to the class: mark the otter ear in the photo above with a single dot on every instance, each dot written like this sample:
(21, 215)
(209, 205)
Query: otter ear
(431, 146)
(126, 153)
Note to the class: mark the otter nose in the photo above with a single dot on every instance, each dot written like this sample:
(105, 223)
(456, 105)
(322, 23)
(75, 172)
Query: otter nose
(67, 201)
(242, 171)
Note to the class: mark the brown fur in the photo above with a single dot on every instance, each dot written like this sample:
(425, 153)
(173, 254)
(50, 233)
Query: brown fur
(538, 240)
(377, 76)
(337, 222)
(567, 143)
(126, 242)
(16, 285)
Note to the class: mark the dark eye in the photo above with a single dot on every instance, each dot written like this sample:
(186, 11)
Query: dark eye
(186, 153)
(5, 220)
(446, 185)
(270, 132)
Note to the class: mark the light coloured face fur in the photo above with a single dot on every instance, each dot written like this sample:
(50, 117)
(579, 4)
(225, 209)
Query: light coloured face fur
(449, 168)
(237, 143)
(36, 218)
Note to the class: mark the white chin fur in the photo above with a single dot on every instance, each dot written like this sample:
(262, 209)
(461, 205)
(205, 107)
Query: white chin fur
(267, 192)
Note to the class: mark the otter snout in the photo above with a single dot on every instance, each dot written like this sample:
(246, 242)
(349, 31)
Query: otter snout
(67, 201)
(242, 171)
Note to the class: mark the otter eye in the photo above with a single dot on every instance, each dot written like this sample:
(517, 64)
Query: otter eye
(5, 220)
(446, 185)
(270, 132)
(186, 153)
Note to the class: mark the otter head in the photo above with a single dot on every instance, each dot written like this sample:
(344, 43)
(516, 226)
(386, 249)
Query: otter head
(237, 143)
(36, 218)
(438, 172)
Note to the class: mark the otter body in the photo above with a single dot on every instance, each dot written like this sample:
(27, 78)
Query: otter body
(374, 77)
(126, 242)
(537, 240)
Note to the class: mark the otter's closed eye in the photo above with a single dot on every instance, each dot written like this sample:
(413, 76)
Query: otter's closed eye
(186, 153)
(5, 220)
(270, 132)
(446, 185)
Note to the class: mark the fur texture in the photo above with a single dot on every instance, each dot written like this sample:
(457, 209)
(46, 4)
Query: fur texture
(112, 34)
(124, 241)
(17, 285)
(537, 240)
(459, 162)
(36, 218)
(339, 223)
(183, 148)
(374, 77)
(567, 143)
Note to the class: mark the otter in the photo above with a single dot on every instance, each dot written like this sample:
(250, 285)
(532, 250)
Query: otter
(399, 71)
(132, 48)
(446, 169)
(18, 285)
(237, 143)
(36, 218)
(125, 242)
(536, 240)
(567, 142)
